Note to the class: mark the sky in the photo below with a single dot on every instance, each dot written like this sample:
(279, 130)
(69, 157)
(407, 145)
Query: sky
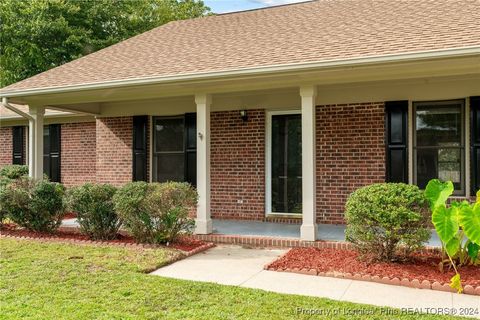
(222, 6)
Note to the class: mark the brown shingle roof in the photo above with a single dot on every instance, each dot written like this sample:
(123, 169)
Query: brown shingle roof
(305, 32)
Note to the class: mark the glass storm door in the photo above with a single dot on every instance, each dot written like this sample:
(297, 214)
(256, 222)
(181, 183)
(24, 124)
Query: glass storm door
(286, 164)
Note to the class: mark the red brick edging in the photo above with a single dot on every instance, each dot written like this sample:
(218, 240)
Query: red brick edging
(203, 247)
(415, 283)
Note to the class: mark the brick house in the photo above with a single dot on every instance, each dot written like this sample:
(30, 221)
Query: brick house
(273, 114)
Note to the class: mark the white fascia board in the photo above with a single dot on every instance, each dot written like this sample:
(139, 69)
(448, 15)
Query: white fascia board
(350, 62)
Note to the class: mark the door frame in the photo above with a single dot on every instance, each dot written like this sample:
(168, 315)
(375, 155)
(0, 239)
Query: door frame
(268, 164)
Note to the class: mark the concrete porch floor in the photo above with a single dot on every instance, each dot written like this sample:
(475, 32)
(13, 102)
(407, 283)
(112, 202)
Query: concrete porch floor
(328, 232)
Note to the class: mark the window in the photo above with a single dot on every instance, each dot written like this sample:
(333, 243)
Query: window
(439, 143)
(174, 149)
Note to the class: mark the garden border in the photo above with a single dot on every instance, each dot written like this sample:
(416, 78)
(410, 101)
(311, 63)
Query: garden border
(415, 283)
(199, 249)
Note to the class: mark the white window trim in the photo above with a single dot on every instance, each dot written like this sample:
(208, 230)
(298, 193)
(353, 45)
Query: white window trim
(411, 135)
(268, 164)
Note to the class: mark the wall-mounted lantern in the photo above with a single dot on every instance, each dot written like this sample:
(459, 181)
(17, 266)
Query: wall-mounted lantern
(244, 115)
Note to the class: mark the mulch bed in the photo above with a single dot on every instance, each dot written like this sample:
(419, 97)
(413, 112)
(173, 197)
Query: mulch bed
(69, 215)
(336, 262)
(186, 244)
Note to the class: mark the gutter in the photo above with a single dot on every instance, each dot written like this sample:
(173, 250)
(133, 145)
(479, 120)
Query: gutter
(5, 104)
(349, 62)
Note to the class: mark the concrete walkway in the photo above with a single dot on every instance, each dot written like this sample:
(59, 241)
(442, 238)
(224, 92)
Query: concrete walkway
(234, 265)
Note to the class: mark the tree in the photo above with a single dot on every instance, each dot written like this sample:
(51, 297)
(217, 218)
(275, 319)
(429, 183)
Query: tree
(36, 35)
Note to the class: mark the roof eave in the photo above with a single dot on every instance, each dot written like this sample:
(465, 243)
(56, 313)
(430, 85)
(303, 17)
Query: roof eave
(252, 71)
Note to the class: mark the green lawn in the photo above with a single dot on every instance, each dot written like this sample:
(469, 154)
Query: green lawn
(63, 281)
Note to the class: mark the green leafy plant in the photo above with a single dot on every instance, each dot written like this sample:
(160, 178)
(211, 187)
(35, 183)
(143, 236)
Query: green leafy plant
(387, 221)
(13, 171)
(156, 212)
(457, 226)
(95, 210)
(9, 174)
(34, 204)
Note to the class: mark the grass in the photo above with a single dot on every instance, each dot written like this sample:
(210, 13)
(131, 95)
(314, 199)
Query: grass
(66, 281)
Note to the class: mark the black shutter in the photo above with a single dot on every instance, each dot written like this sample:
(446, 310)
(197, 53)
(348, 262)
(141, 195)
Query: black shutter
(475, 143)
(18, 141)
(46, 151)
(140, 131)
(55, 137)
(191, 148)
(396, 126)
(52, 152)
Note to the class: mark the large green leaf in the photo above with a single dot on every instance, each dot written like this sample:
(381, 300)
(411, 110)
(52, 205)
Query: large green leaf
(453, 246)
(437, 192)
(445, 222)
(469, 219)
(456, 283)
(473, 250)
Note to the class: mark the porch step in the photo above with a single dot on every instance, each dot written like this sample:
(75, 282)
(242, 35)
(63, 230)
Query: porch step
(275, 242)
(271, 242)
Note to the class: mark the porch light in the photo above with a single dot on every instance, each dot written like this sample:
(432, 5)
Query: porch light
(244, 115)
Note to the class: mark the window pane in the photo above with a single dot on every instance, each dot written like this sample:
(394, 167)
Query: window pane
(439, 125)
(168, 134)
(286, 164)
(168, 167)
(444, 164)
(396, 127)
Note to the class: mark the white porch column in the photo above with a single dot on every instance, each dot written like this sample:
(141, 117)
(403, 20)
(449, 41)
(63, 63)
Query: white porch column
(35, 142)
(204, 221)
(308, 230)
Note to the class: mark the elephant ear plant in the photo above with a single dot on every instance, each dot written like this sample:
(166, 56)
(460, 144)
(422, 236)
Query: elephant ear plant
(457, 226)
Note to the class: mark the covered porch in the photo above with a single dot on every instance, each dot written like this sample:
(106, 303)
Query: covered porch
(339, 106)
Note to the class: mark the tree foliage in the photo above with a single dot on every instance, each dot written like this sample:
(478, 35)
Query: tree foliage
(36, 35)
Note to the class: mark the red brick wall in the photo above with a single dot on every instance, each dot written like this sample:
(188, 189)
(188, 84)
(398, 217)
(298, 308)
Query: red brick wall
(238, 165)
(78, 153)
(114, 150)
(6, 146)
(350, 154)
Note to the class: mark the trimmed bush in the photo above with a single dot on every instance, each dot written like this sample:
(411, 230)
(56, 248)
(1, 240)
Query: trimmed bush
(157, 212)
(35, 205)
(387, 221)
(7, 175)
(95, 210)
(13, 172)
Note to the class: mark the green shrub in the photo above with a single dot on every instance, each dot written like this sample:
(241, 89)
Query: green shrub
(156, 212)
(95, 210)
(387, 221)
(35, 205)
(13, 171)
(8, 174)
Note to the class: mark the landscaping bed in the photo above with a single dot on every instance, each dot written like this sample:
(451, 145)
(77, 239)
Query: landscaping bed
(188, 245)
(421, 271)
